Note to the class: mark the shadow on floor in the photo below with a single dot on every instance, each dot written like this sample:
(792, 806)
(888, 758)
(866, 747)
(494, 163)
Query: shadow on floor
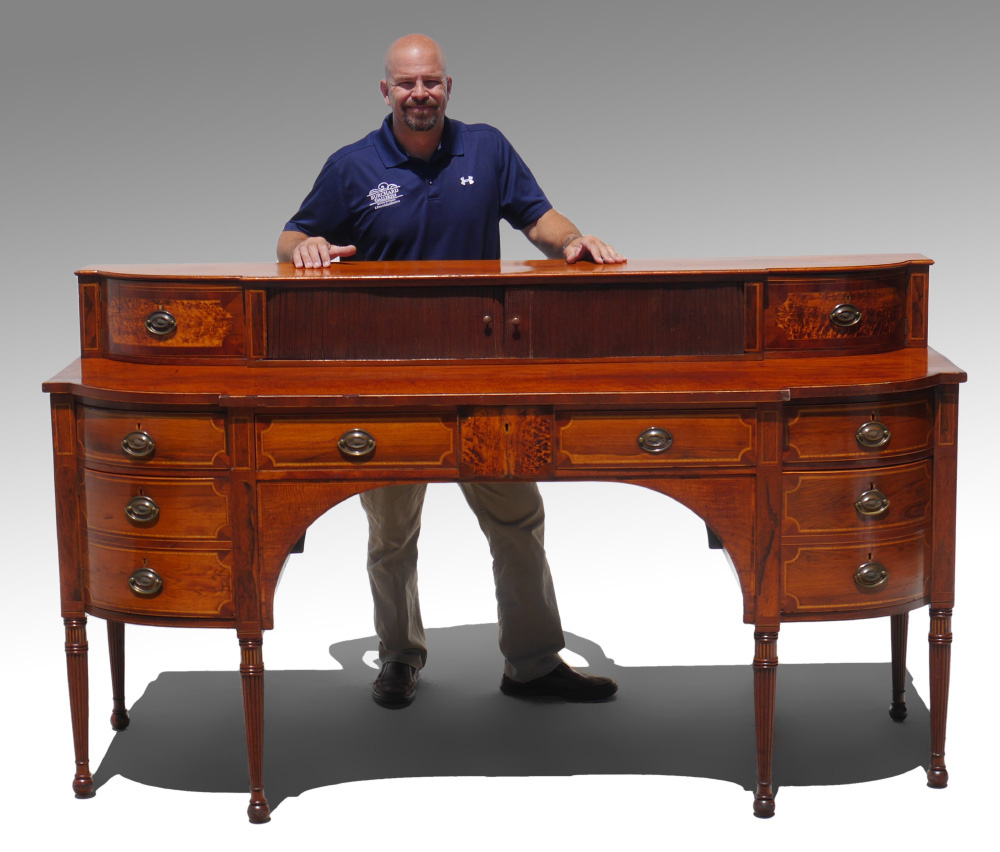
(322, 728)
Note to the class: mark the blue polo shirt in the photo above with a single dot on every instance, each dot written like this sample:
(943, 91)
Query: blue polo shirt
(394, 207)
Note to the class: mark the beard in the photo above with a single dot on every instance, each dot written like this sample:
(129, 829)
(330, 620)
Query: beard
(420, 119)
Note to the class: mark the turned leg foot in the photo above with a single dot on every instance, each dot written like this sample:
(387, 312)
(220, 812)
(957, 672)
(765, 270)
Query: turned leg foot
(259, 811)
(765, 670)
(116, 651)
(939, 639)
(252, 677)
(763, 804)
(79, 702)
(899, 625)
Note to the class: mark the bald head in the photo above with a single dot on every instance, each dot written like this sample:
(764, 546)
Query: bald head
(417, 88)
(414, 49)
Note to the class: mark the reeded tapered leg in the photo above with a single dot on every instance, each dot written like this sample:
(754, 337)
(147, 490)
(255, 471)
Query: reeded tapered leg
(898, 627)
(79, 702)
(252, 676)
(765, 672)
(940, 672)
(116, 651)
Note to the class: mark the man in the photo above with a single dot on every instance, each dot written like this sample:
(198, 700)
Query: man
(426, 187)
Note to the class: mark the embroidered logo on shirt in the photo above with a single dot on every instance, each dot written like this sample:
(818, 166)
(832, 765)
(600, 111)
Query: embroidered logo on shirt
(384, 195)
(467, 180)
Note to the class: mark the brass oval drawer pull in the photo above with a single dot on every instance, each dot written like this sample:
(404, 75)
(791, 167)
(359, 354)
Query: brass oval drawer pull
(138, 445)
(161, 323)
(873, 435)
(845, 315)
(871, 575)
(145, 582)
(872, 503)
(142, 510)
(357, 443)
(655, 440)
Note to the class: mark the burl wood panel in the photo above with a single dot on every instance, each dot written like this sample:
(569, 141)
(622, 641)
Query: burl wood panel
(797, 312)
(823, 503)
(625, 319)
(820, 578)
(190, 509)
(601, 440)
(195, 583)
(302, 442)
(506, 443)
(179, 440)
(829, 432)
(383, 323)
(210, 320)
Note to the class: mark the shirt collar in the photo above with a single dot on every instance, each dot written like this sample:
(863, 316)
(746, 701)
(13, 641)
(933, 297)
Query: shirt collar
(392, 155)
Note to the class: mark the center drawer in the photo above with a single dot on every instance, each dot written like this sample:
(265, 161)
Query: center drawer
(320, 442)
(654, 439)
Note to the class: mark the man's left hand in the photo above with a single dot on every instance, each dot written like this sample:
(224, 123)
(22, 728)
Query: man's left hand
(589, 247)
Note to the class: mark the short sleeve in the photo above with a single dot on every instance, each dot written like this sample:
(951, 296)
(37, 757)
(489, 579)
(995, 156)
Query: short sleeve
(324, 212)
(522, 201)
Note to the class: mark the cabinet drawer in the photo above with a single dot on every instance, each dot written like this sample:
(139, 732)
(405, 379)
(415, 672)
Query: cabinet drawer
(821, 578)
(835, 314)
(848, 501)
(152, 439)
(840, 432)
(159, 582)
(332, 442)
(153, 320)
(195, 509)
(592, 440)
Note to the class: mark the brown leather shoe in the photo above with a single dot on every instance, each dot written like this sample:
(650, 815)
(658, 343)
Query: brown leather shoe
(396, 685)
(562, 682)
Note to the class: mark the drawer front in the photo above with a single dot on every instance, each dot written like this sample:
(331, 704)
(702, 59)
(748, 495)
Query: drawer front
(152, 439)
(195, 509)
(155, 320)
(304, 443)
(835, 314)
(849, 501)
(590, 440)
(159, 582)
(829, 578)
(831, 432)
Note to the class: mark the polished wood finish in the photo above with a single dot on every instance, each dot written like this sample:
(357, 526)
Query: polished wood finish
(792, 403)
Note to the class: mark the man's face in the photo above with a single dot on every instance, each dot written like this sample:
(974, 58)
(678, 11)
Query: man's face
(417, 88)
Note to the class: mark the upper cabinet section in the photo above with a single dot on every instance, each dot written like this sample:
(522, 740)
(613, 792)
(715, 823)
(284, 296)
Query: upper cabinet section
(463, 310)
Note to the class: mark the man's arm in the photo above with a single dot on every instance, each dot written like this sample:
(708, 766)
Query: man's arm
(557, 237)
(309, 252)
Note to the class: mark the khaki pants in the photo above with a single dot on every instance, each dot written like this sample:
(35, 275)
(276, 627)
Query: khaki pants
(512, 518)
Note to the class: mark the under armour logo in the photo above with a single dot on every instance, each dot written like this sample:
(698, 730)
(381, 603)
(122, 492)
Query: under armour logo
(467, 180)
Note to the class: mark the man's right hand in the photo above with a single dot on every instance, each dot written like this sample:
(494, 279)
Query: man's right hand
(309, 252)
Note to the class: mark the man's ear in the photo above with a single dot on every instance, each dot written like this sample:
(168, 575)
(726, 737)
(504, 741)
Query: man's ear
(383, 87)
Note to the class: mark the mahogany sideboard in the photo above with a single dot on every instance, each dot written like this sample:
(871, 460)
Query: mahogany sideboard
(791, 403)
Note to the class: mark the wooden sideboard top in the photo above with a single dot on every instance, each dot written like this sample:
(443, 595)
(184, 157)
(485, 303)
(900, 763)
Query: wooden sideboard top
(403, 271)
(562, 383)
